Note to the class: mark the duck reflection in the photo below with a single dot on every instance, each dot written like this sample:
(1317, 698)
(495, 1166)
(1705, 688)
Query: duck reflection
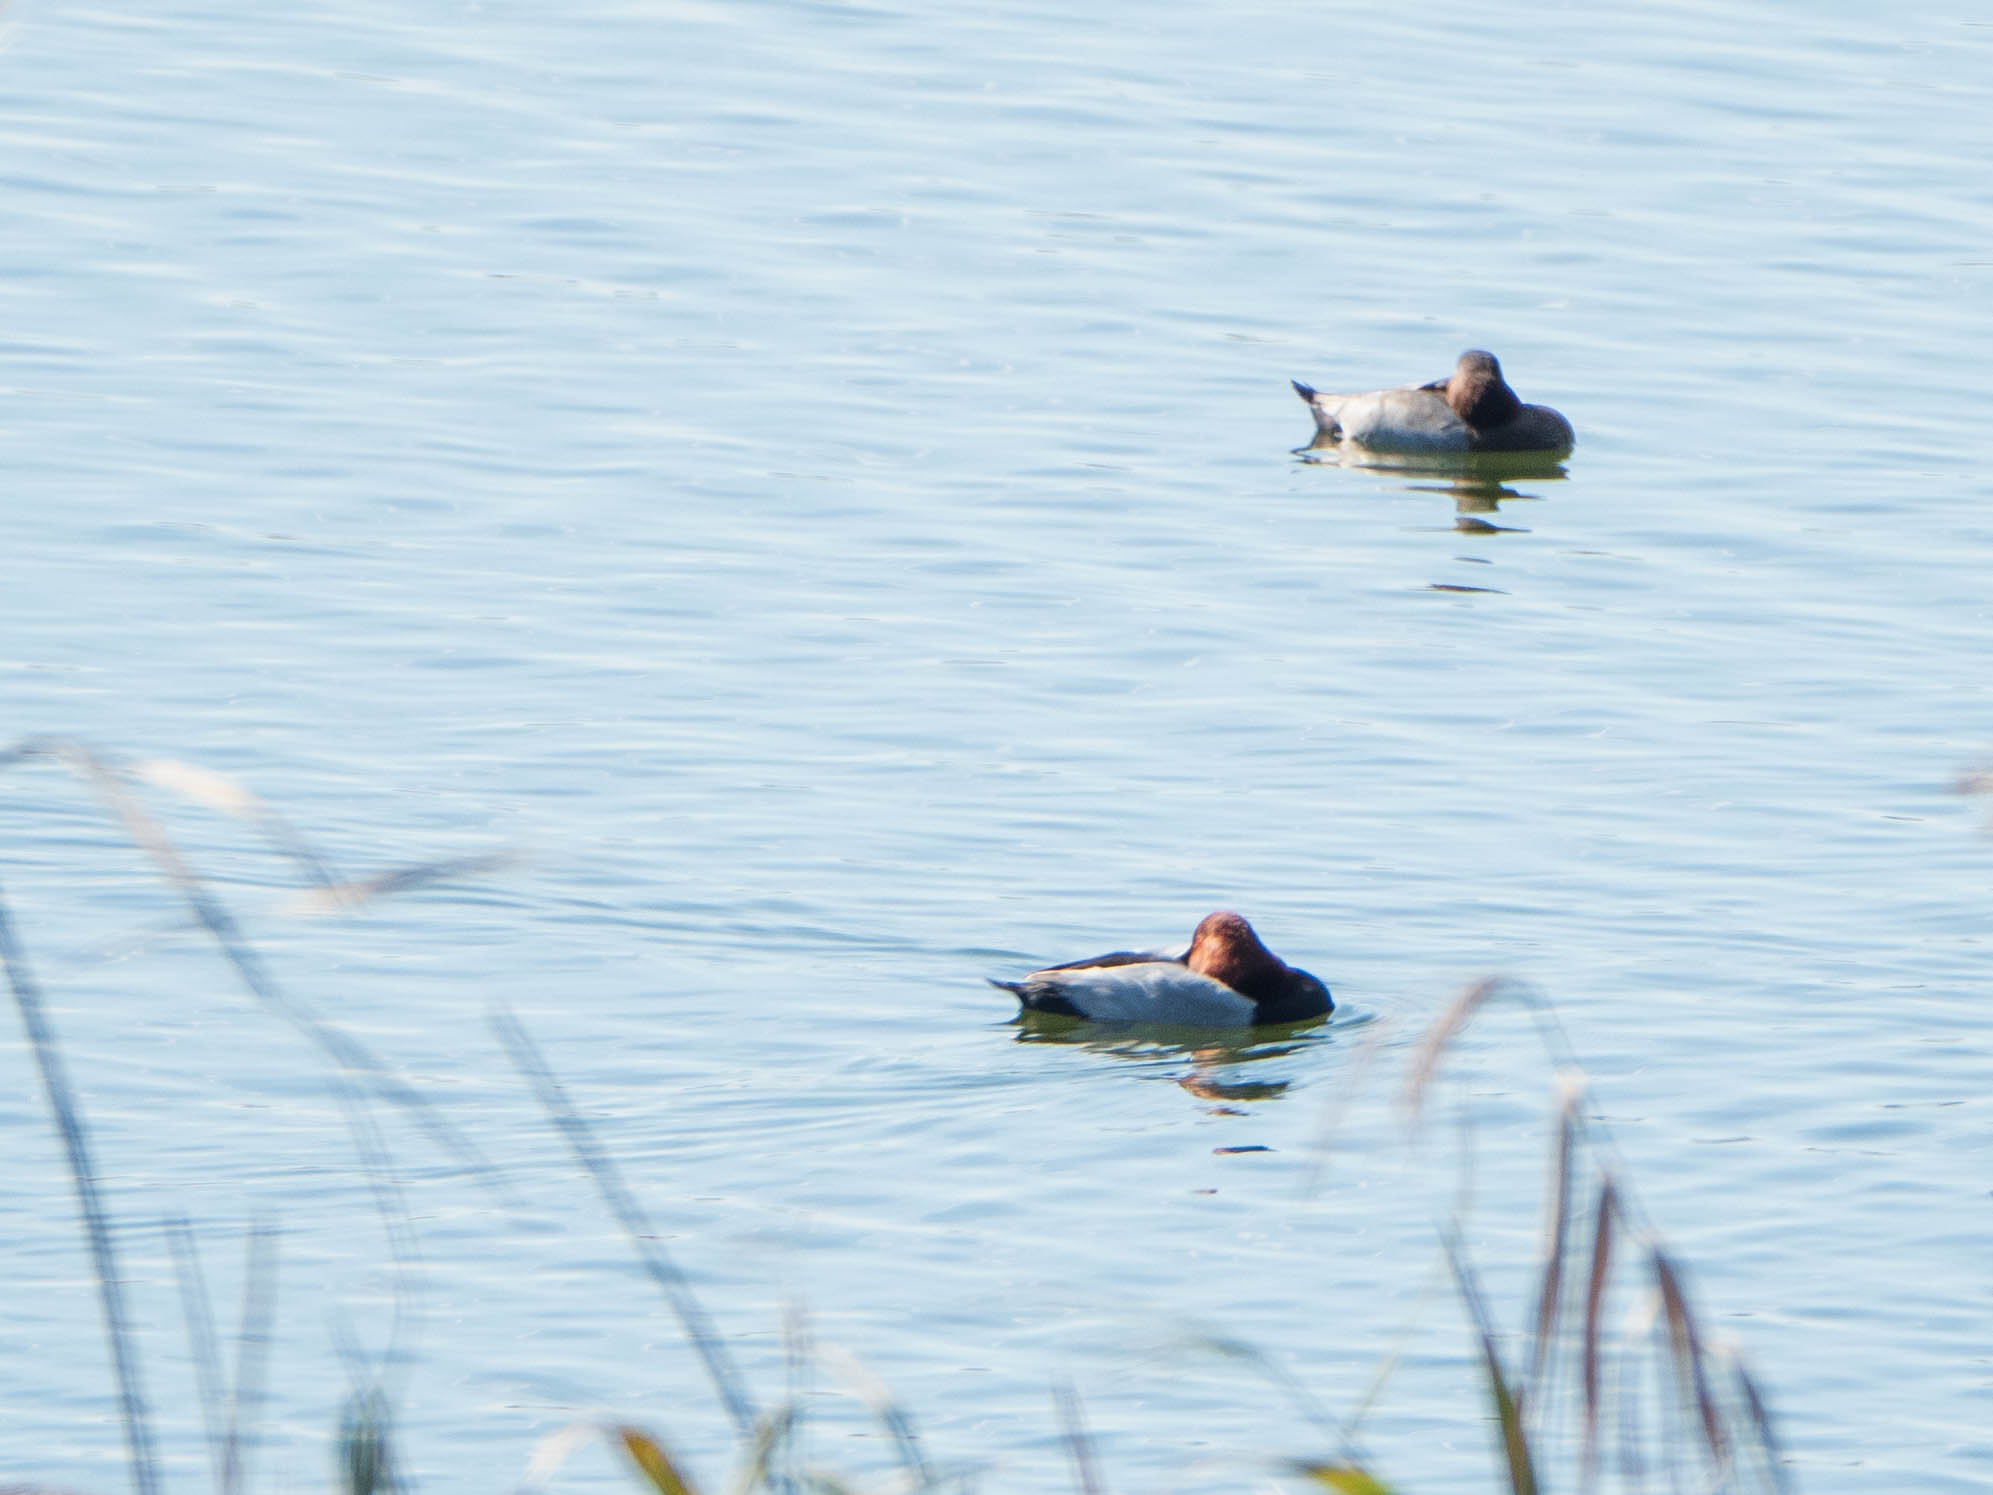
(1477, 482)
(1473, 496)
(1479, 466)
(1204, 1065)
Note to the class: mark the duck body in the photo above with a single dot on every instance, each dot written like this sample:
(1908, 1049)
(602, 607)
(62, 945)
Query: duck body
(1471, 410)
(1411, 420)
(1226, 979)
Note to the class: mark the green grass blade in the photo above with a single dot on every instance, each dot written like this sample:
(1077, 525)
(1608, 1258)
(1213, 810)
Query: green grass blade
(366, 1445)
(1344, 1479)
(653, 1462)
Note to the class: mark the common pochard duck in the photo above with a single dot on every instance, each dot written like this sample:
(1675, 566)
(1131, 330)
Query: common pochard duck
(1472, 410)
(1226, 979)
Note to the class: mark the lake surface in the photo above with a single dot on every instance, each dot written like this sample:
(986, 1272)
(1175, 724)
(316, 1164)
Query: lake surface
(817, 480)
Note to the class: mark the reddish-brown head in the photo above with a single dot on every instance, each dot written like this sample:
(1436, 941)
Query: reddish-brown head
(1226, 949)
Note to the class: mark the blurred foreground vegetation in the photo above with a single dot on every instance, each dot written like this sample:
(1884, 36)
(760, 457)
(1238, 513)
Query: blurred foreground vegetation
(1612, 1382)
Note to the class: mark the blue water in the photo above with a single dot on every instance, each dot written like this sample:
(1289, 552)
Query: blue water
(816, 480)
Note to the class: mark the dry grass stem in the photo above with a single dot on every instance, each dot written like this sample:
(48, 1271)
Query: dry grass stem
(351, 895)
(1590, 1358)
(83, 1177)
(891, 1415)
(1691, 1366)
(623, 1206)
(1078, 1441)
(1347, 1089)
(1445, 1028)
(1557, 1224)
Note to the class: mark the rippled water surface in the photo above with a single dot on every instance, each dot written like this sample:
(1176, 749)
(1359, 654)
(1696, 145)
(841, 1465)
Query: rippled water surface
(817, 480)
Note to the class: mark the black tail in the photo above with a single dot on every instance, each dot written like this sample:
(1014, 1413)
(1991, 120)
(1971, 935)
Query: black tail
(1303, 390)
(1032, 998)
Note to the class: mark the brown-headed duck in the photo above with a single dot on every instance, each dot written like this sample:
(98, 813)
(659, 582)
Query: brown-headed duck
(1473, 410)
(1226, 979)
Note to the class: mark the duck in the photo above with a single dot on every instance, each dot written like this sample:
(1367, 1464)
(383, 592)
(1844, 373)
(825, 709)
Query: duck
(1226, 979)
(1471, 410)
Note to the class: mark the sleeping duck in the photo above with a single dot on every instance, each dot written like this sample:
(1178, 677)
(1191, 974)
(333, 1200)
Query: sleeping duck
(1472, 410)
(1226, 979)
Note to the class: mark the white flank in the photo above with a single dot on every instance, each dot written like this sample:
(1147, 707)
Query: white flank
(1162, 991)
(1399, 420)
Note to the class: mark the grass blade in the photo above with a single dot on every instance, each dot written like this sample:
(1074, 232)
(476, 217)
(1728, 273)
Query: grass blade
(1626, 1397)
(1590, 1361)
(201, 1345)
(1557, 1225)
(344, 897)
(1352, 1083)
(1344, 1479)
(252, 1346)
(553, 1450)
(799, 1370)
(1515, 1441)
(343, 1049)
(1445, 1028)
(1685, 1342)
(1079, 1442)
(768, 1443)
(228, 795)
(69, 1124)
(892, 1416)
(653, 1462)
(1277, 1375)
(1761, 1421)
(366, 1445)
(623, 1205)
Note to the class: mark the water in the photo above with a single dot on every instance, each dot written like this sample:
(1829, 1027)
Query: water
(817, 479)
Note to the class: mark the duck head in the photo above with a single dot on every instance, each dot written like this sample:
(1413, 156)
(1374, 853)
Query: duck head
(1226, 949)
(1479, 394)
